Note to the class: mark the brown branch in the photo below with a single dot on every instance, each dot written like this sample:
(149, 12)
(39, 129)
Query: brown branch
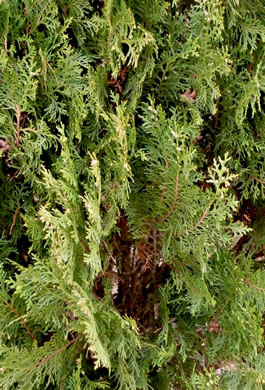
(163, 219)
(216, 117)
(55, 353)
(23, 322)
(166, 162)
(52, 71)
(259, 180)
(63, 380)
(64, 8)
(165, 188)
(5, 44)
(41, 14)
(14, 221)
(11, 177)
(18, 125)
(44, 71)
(248, 283)
(250, 67)
(35, 6)
(201, 220)
(109, 252)
(84, 245)
(27, 20)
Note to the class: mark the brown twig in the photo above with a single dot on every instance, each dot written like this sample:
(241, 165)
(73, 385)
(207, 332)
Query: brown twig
(165, 188)
(84, 245)
(166, 162)
(38, 3)
(23, 322)
(109, 252)
(18, 124)
(5, 44)
(41, 14)
(216, 117)
(259, 180)
(55, 353)
(44, 70)
(250, 67)
(64, 8)
(11, 177)
(248, 283)
(201, 220)
(52, 71)
(14, 221)
(63, 380)
(163, 219)
(27, 20)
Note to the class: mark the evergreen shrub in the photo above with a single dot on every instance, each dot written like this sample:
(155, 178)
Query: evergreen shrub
(132, 170)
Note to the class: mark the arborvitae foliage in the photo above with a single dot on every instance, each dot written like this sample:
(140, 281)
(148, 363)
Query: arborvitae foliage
(132, 139)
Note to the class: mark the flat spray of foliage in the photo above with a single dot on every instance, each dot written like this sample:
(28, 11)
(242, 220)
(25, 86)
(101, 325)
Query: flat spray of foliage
(132, 141)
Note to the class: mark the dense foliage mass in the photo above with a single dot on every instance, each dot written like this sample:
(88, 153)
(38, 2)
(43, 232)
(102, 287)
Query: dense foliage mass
(132, 141)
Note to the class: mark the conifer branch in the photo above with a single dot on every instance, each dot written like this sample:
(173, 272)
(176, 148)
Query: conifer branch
(63, 380)
(55, 353)
(23, 322)
(84, 245)
(253, 285)
(181, 274)
(259, 180)
(18, 124)
(201, 220)
(41, 13)
(164, 189)
(52, 71)
(163, 219)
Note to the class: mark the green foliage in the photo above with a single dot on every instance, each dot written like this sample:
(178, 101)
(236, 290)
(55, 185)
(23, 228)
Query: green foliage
(132, 194)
